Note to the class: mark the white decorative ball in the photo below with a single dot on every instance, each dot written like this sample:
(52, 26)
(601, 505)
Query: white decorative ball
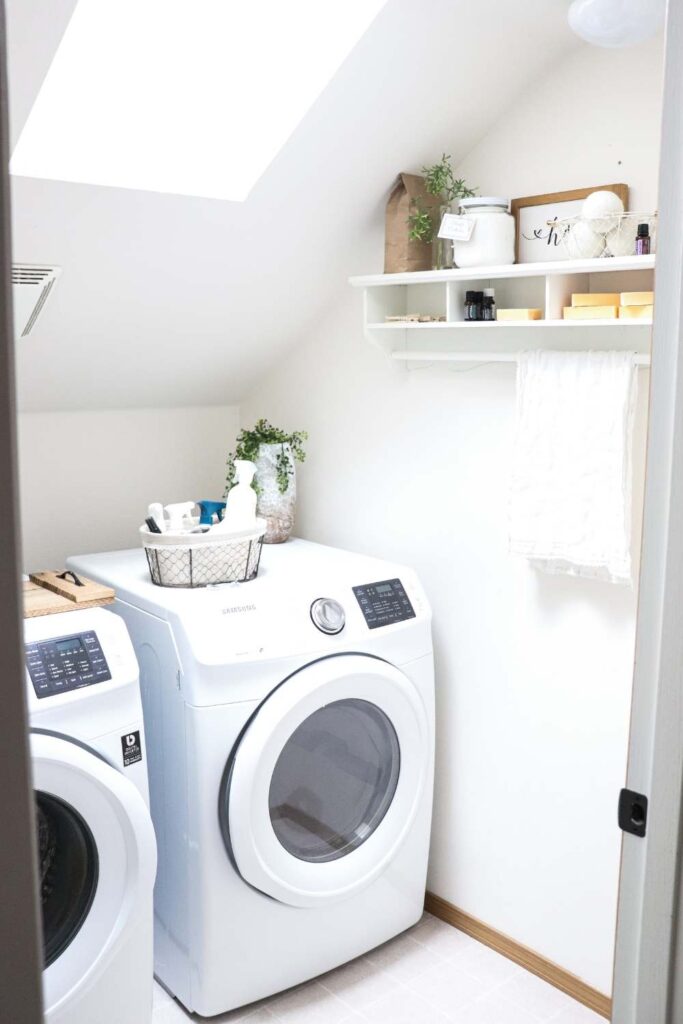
(583, 243)
(621, 240)
(602, 209)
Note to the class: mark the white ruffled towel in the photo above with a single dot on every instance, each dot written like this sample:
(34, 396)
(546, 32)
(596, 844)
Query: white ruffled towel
(570, 488)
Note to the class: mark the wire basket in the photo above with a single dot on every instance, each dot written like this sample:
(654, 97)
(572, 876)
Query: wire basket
(611, 235)
(202, 560)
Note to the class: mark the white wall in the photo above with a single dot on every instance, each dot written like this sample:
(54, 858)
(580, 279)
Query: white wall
(595, 120)
(87, 478)
(533, 672)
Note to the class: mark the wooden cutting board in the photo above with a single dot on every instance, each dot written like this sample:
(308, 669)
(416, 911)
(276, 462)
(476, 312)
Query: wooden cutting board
(46, 594)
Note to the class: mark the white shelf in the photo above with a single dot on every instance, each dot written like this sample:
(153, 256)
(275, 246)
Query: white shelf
(483, 325)
(545, 286)
(474, 357)
(606, 265)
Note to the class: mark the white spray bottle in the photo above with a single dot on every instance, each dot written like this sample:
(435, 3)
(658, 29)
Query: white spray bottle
(240, 508)
(179, 516)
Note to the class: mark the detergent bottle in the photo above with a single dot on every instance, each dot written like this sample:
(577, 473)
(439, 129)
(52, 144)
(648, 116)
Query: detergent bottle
(240, 509)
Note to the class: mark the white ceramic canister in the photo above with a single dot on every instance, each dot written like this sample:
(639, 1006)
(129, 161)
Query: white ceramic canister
(492, 242)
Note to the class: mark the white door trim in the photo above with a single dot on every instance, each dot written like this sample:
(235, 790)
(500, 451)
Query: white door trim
(20, 963)
(648, 897)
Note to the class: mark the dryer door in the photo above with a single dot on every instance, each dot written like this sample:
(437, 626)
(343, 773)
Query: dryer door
(326, 780)
(97, 856)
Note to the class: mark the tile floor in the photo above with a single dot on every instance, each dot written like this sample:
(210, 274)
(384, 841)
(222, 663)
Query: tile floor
(432, 974)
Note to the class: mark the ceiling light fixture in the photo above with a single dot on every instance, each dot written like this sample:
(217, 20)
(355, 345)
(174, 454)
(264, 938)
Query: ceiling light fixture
(615, 23)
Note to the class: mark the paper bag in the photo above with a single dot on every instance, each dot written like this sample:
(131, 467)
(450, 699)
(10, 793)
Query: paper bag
(401, 253)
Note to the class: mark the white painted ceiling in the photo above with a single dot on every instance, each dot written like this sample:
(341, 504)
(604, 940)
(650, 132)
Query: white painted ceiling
(168, 300)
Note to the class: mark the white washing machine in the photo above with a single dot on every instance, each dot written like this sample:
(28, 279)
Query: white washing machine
(290, 725)
(96, 845)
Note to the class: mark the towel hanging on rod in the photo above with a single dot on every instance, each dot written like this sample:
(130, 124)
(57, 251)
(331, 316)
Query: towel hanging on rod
(570, 482)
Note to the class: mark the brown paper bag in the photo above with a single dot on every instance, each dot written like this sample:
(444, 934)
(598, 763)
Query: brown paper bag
(401, 253)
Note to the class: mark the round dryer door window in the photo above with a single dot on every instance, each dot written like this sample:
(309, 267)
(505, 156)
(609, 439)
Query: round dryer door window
(97, 858)
(326, 780)
(68, 864)
(334, 780)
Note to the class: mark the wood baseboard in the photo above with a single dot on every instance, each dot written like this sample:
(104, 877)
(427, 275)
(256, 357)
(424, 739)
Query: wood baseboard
(534, 962)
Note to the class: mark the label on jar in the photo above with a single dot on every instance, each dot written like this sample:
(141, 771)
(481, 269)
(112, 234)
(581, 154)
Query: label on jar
(457, 227)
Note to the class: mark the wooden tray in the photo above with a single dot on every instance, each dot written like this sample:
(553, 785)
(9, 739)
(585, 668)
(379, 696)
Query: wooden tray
(46, 594)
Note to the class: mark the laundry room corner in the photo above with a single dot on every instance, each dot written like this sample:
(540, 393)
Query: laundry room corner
(415, 459)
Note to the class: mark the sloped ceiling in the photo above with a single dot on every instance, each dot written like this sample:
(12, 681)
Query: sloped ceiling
(168, 300)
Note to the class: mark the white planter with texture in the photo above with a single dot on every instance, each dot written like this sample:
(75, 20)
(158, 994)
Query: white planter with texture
(276, 507)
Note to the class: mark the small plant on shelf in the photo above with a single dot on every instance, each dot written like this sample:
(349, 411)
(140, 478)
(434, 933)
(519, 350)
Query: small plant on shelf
(440, 180)
(248, 446)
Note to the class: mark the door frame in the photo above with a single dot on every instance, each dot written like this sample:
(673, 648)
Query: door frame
(20, 935)
(648, 981)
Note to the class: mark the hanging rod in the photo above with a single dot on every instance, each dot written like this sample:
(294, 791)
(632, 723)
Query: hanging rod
(475, 357)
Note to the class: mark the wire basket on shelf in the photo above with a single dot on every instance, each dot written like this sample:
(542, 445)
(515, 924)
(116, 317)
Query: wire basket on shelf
(202, 560)
(613, 234)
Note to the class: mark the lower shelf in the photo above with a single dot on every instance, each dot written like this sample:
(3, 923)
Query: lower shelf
(484, 325)
(474, 357)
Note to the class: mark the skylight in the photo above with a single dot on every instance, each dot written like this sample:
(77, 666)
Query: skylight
(194, 97)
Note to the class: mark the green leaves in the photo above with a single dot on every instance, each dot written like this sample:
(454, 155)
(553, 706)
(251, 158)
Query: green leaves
(421, 225)
(439, 181)
(249, 442)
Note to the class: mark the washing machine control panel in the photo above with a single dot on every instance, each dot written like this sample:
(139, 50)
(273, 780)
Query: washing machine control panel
(66, 663)
(384, 603)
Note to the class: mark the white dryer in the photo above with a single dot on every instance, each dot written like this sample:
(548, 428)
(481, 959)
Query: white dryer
(291, 737)
(96, 845)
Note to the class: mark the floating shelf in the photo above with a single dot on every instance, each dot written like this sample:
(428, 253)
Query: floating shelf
(484, 325)
(608, 265)
(547, 286)
(474, 357)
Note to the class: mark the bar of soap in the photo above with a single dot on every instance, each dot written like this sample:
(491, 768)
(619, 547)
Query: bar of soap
(636, 312)
(637, 298)
(595, 299)
(519, 314)
(591, 312)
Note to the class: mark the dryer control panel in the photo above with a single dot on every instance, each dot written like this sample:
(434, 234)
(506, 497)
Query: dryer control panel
(66, 663)
(384, 603)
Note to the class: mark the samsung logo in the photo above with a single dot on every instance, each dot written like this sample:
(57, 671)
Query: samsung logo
(239, 608)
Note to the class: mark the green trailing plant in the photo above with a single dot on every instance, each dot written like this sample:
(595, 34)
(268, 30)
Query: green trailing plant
(248, 445)
(439, 181)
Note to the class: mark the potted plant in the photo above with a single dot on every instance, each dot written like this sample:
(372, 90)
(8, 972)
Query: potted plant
(440, 180)
(275, 454)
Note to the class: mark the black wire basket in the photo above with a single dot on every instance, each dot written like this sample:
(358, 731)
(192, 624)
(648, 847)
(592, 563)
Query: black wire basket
(203, 560)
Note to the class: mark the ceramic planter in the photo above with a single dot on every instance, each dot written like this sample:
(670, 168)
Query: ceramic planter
(275, 507)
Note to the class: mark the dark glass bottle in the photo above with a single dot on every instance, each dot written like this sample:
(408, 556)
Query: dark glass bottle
(471, 307)
(643, 240)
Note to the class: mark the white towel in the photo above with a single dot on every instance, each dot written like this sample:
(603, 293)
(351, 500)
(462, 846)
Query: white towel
(570, 488)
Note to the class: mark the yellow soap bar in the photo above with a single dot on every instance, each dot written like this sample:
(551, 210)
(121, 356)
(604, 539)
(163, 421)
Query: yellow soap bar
(595, 299)
(636, 312)
(519, 314)
(637, 298)
(591, 312)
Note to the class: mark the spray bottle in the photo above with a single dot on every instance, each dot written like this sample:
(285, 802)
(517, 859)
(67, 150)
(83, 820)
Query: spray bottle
(177, 515)
(208, 509)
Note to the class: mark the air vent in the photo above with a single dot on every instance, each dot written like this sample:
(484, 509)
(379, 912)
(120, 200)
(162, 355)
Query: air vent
(31, 288)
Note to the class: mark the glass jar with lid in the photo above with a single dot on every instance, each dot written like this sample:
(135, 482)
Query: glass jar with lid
(492, 241)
